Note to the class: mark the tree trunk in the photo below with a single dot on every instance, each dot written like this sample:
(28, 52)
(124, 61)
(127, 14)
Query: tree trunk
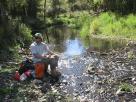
(44, 17)
(45, 11)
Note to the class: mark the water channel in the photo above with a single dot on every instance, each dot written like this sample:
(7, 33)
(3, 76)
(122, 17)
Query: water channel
(75, 60)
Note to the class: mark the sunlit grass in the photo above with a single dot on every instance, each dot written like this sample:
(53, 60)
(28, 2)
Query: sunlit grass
(111, 25)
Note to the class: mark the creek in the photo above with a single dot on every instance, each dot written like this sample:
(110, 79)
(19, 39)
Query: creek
(87, 73)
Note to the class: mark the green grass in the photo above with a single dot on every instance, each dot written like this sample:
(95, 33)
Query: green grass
(105, 24)
(111, 25)
(126, 87)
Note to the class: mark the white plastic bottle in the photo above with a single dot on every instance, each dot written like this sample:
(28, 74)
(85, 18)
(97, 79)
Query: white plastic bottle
(23, 77)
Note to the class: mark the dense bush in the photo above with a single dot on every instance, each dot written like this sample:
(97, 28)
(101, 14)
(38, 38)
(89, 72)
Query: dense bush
(25, 35)
(14, 33)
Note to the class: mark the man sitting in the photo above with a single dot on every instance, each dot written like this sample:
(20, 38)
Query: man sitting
(42, 54)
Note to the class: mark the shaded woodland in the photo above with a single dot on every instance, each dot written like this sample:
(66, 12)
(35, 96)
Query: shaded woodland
(20, 19)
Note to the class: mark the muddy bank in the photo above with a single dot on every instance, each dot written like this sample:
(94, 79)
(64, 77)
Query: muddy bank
(89, 77)
(100, 76)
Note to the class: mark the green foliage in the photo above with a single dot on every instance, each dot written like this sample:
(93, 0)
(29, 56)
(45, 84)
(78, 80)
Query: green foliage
(84, 23)
(126, 87)
(131, 21)
(25, 33)
(94, 27)
(15, 33)
(36, 14)
(66, 19)
(74, 20)
(98, 1)
(84, 18)
(108, 24)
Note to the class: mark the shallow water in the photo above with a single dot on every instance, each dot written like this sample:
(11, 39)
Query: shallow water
(74, 62)
(68, 41)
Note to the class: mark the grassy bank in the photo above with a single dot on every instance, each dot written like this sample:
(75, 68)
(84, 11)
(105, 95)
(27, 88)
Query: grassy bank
(105, 25)
(110, 25)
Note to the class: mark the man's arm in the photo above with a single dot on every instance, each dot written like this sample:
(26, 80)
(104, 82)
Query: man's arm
(50, 53)
(48, 50)
(38, 56)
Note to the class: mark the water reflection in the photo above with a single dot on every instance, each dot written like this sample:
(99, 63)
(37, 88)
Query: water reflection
(73, 47)
(103, 45)
(66, 40)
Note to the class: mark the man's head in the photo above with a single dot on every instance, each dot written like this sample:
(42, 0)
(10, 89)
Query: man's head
(38, 37)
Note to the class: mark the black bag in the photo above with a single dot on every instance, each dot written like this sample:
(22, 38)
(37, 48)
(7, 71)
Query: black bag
(26, 65)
